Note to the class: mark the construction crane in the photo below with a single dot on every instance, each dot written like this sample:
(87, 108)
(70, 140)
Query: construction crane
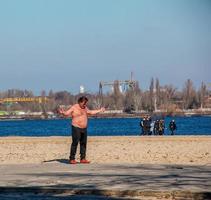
(125, 84)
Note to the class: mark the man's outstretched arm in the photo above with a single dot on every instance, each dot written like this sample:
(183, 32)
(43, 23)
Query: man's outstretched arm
(93, 112)
(66, 113)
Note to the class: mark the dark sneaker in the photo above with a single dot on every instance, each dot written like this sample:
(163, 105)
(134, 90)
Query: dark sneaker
(84, 161)
(72, 162)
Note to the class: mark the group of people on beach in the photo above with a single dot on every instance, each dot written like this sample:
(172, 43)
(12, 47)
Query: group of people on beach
(155, 127)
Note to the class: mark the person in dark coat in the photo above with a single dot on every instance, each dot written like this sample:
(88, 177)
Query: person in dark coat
(142, 125)
(172, 126)
(156, 127)
(161, 127)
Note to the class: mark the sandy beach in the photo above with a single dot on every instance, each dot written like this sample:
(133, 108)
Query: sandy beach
(186, 150)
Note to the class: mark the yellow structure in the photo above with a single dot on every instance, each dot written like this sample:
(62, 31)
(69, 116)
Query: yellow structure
(25, 99)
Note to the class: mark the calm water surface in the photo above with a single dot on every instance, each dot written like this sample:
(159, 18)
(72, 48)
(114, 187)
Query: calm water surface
(101, 127)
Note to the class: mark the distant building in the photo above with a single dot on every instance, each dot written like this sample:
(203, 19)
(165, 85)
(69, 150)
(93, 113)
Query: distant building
(82, 89)
(120, 89)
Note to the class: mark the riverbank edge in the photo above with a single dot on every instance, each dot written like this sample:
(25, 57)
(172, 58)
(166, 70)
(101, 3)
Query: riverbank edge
(65, 191)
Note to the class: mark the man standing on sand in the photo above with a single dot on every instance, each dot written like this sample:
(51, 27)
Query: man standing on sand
(79, 113)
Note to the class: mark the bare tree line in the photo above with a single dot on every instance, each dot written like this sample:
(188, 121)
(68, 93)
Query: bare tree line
(157, 97)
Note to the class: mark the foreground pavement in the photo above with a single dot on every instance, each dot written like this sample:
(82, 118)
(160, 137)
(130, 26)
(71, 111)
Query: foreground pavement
(59, 180)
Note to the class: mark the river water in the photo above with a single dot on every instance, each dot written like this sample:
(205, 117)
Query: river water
(101, 126)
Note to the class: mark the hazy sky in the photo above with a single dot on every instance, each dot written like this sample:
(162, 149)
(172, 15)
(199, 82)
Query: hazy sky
(62, 44)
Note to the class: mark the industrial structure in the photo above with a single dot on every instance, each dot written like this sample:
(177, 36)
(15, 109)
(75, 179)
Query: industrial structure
(122, 86)
(24, 99)
(40, 100)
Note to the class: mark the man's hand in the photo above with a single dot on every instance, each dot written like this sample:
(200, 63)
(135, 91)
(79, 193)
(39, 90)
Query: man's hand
(61, 111)
(102, 109)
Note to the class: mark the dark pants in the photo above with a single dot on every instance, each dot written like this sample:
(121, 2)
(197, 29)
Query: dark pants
(78, 135)
(172, 132)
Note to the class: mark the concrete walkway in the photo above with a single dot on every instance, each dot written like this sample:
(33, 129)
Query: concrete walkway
(57, 179)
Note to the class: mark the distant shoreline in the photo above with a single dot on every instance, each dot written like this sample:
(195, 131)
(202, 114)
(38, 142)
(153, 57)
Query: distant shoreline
(116, 115)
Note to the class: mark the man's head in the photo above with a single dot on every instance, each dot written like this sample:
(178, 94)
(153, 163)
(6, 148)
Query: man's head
(82, 101)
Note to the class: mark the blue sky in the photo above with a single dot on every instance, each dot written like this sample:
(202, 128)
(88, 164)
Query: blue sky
(62, 44)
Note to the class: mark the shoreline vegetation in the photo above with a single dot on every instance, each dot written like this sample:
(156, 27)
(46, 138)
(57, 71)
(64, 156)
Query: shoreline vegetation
(110, 114)
(133, 101)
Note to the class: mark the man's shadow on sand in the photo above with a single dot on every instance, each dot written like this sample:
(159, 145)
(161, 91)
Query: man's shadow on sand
(64, 161)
